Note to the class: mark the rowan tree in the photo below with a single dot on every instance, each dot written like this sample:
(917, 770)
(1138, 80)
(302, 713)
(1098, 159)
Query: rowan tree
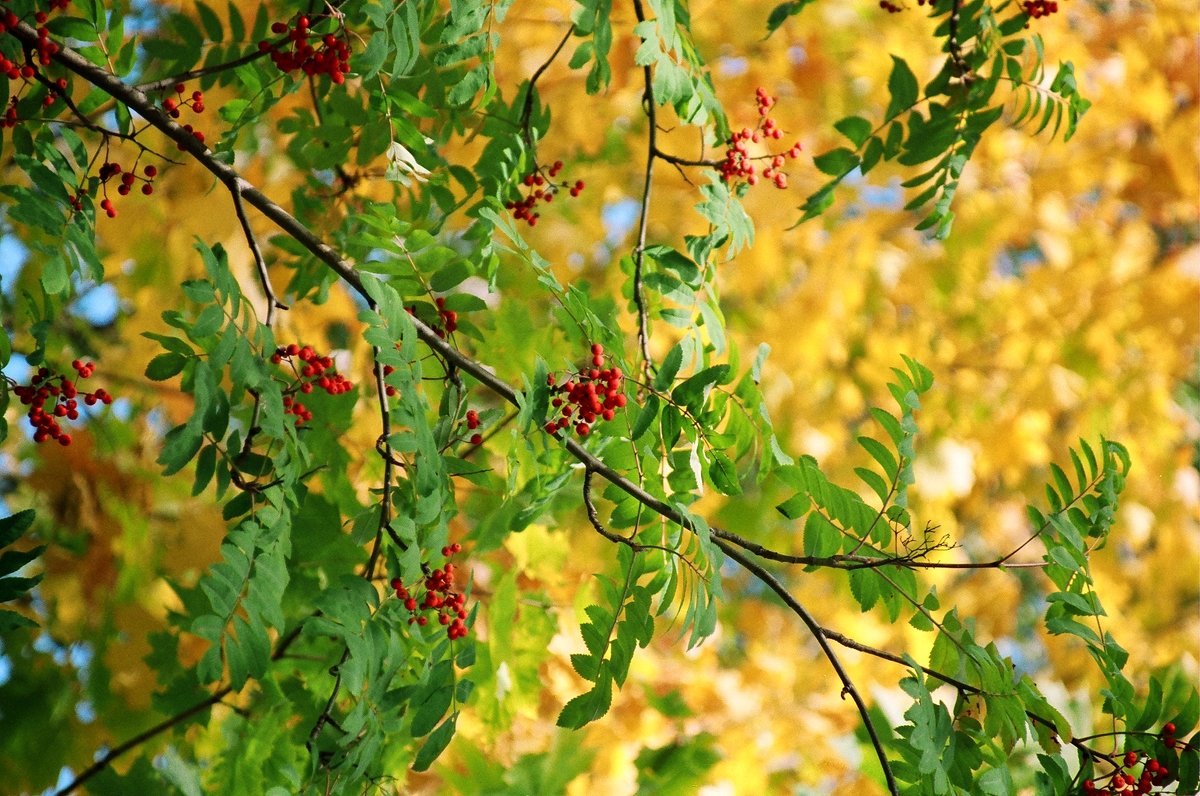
(474, 398)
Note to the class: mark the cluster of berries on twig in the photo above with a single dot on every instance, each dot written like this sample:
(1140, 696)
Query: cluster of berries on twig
(38, 55)
(310, 371)
(590, 396)
(473, 426)
(1127, 780)
(128, 179)
(52, 397)
(435, 593)
(541, 188)
(1036, 9)
(739, 163)
(297, 52)
(447, 320)
(174, 107)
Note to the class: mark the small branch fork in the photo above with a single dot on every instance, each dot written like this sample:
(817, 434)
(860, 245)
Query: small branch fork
(628, 541)
(849, 643)
(732, 544)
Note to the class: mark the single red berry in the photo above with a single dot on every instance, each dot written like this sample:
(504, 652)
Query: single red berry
(476, 439)
(1168, 728)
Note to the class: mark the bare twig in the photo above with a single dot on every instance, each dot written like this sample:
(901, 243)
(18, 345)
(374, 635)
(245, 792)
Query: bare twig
(818, 633)
(527, 105)
(639, 250)
(850, 643)
(192, 74)
(260, 263)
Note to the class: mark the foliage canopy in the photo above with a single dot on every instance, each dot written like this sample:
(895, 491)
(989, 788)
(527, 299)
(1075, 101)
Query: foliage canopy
(417, 421)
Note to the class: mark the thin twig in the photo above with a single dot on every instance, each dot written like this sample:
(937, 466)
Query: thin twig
(675, 160)
(333, 692)
(628, 541)
(205, 71)
(818, 634)
(594, 518)
(260, 262)
(385, 524)
(850, 643)
(527, 105)
(104, 760)
(639, 251)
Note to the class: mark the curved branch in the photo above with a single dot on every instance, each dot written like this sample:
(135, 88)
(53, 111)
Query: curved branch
(639, 251)
(819, 634)
(527, 105)
(850, 643)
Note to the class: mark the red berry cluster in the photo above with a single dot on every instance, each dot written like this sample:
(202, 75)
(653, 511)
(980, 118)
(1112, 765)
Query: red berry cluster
(447, 320)
(45, 48)
(51, 396)
(41, 52)
(594, 394)
(738, 163)
(316, 371)
(472, 425)
(174, 107)
(195, 101)
(389, 389)
(330, 56)
(1036, 9)
(1124, 780)
(449, 606)
(541, 189)
(108, 171)
(890, 7)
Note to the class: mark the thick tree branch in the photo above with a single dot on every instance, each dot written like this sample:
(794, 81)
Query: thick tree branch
(144, 106)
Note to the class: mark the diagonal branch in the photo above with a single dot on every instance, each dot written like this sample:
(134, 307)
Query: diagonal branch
(818, 633)
(102, 762)
(145, 107)
(849, 643)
